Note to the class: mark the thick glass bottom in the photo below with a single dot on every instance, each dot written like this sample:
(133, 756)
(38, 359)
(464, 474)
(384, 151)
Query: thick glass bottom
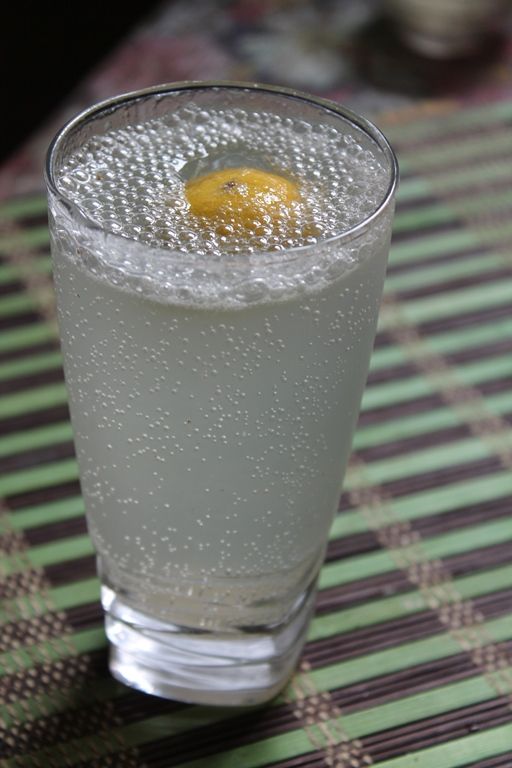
(241, 667)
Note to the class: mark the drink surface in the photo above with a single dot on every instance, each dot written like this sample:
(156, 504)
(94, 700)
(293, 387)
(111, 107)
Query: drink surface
(215, 383)
(131, 181)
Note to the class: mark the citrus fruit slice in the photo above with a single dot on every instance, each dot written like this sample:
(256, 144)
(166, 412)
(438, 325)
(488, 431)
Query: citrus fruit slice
(248, 200)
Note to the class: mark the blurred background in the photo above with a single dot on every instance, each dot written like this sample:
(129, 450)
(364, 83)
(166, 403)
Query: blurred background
(46, 49)
(372, 47)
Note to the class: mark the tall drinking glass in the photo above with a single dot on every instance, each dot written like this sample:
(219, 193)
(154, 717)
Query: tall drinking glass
(214, 378)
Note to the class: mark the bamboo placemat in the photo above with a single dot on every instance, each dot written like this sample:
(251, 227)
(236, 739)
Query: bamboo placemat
(408, 659)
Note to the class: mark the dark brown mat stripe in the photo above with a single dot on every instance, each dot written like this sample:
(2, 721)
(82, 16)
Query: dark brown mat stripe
(482, 352)
(458, 519)
(361, 590)
(123, 758)
(407, 629)
(465, 320)
(475, 252)
(43, 495)
(479, 559)
(415, 203)
(397, 686)
(458, 194)
(424, 481)
(419, 442)
(33, 349)
(70, 571)
(352, 546)
(455, 134)
(434, 289)
(455, 224)
(17, 321)
(7, 289)
(418, 405)
(502, 761)
(430, 525)
(310, 760)
(468, 355)
(36, 457)
(495, 386)
(448, 132)
(395, 582)
(437, 730)
(34, 419)
(400, 410)
(441, 477)
(62, 529)
(384, 339)
(32, 221)
(40, 379)
(82, 617)
(376, 637)
(393, 373)
(28, 582)
(407, 445)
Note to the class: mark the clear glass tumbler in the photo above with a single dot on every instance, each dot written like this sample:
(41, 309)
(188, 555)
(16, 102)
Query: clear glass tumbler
(213, 400)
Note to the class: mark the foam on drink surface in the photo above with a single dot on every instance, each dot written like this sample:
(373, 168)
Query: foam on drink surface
(131, 182)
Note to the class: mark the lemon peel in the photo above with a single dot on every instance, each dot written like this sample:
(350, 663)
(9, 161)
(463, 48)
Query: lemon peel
(246, 200)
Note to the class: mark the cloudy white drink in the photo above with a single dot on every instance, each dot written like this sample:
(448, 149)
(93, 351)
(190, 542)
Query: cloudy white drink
(215, 375)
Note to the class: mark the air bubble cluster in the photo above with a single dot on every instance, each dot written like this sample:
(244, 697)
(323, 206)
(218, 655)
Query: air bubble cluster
(131, 182)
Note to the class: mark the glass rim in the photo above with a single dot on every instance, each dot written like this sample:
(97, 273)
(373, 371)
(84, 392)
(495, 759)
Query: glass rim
(110, 105)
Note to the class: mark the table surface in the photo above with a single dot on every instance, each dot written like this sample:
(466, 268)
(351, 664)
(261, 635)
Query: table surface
(408, 662)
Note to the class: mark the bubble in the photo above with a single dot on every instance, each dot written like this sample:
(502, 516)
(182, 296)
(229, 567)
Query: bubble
(131, 181)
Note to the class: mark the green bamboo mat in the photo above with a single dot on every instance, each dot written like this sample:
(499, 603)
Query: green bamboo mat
(408, 659)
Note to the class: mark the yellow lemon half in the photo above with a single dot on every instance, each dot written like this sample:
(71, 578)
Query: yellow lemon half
(243, 199)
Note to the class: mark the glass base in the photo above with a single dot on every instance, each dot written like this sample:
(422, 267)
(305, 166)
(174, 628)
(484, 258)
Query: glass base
(236, 668)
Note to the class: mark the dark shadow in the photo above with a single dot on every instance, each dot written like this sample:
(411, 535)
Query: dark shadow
(382, 59)
(45, 51)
